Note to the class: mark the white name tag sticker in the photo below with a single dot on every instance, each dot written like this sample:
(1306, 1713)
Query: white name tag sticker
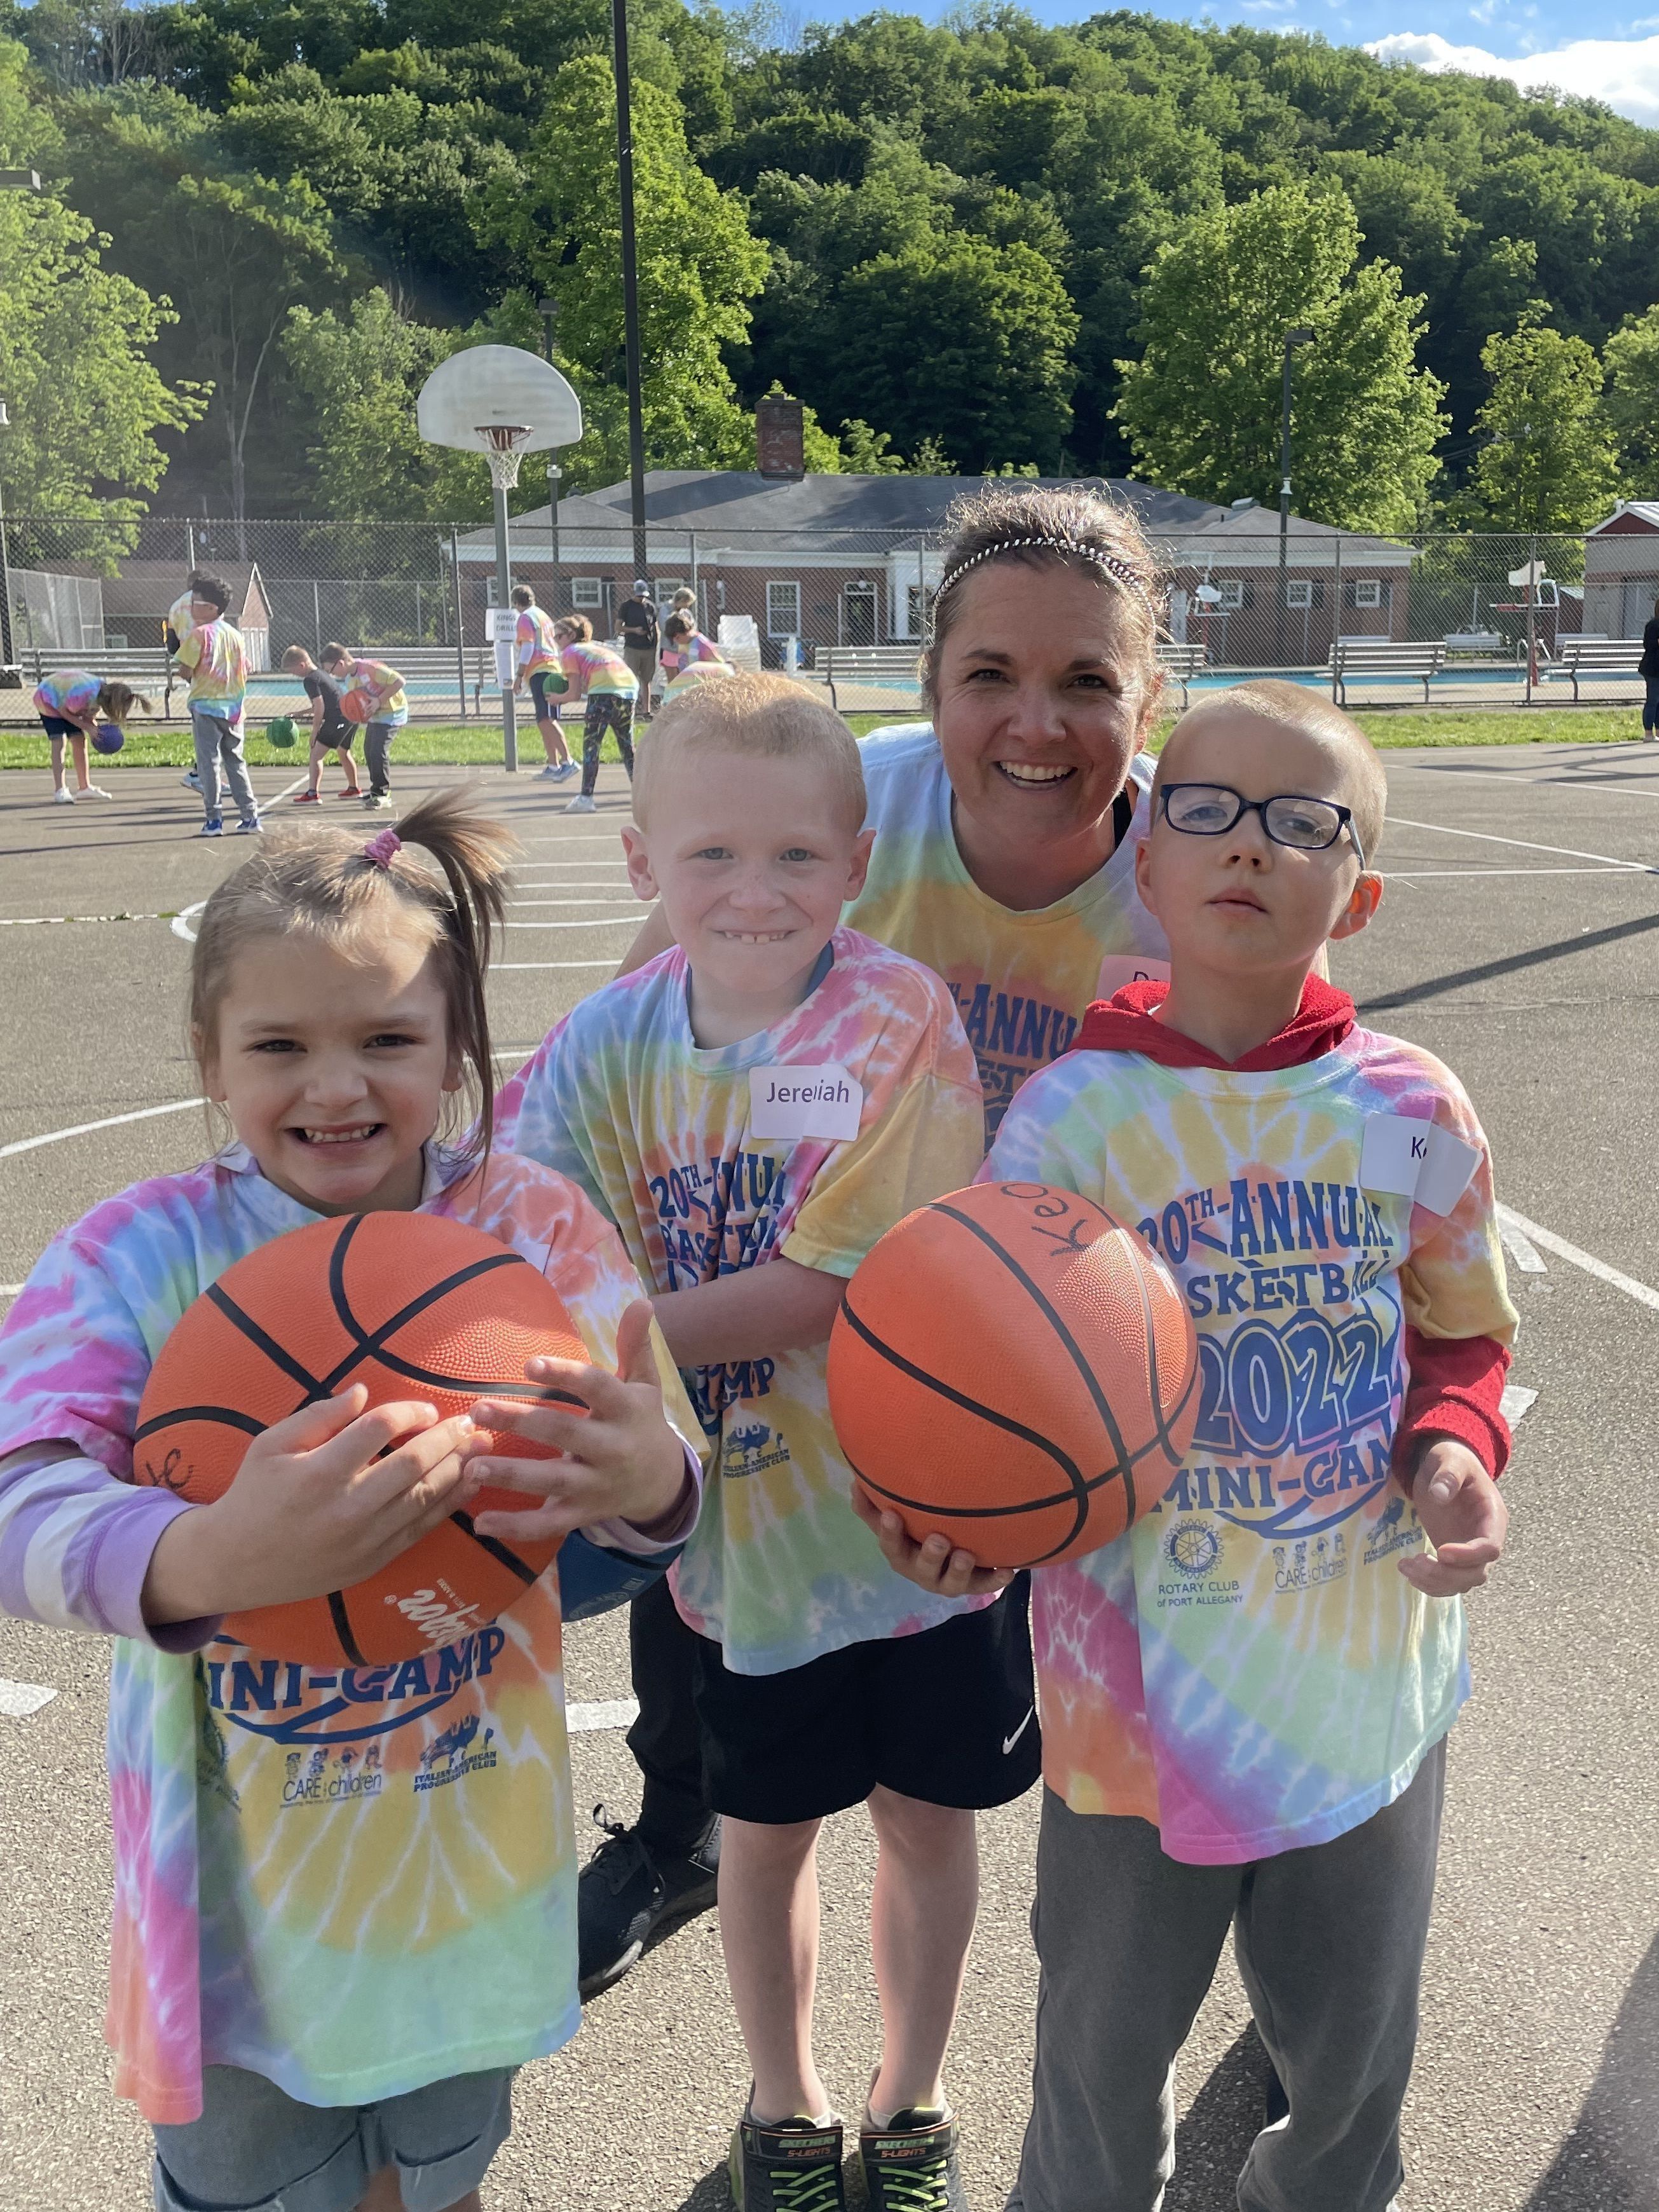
(1118, 968)
(804, 1102)
(1418, 1160)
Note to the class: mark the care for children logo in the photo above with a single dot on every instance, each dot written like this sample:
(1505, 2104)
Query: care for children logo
(1193, 1550)
(1309, 1562)
(329, 1778)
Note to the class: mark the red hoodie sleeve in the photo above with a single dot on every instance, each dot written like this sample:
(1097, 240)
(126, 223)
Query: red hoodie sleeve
(1456, 1390)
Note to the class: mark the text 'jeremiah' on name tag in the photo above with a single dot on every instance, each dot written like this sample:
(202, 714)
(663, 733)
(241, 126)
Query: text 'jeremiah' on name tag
(1416, 1160)
(804, 1102)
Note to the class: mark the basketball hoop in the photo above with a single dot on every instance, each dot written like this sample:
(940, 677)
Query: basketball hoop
(503, 442)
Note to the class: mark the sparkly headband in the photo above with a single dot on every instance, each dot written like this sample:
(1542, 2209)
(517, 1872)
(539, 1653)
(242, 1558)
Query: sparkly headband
(382, 849)
(1130, 578)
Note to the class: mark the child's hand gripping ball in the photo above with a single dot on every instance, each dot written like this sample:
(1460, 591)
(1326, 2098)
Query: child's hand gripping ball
(410, 1306)
(1015, 1370)
(109, 737)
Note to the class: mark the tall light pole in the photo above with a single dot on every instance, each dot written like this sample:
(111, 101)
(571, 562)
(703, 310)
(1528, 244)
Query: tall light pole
(630, 280)
(11, 675)
(1292, 339)
(549, 312)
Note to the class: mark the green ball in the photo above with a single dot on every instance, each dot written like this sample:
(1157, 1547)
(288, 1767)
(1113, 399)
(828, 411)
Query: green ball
(280, 732)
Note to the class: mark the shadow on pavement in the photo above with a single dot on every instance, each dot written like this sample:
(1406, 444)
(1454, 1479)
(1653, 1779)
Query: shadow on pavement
(712, 2193)
(1221, 2123)
(1610, 2161)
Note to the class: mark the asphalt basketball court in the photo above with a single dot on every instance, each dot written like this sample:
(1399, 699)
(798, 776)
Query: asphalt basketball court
(1517, 940)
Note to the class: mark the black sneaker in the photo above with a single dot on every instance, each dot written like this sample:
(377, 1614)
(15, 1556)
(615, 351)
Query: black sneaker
(794, 2166)
(910, 2165)
(630, 1895)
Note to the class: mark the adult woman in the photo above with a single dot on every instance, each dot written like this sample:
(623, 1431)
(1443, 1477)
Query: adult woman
(1003, 858)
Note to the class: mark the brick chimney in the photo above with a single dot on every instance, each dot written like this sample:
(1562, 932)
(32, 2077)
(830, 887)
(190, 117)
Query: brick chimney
(780, 437)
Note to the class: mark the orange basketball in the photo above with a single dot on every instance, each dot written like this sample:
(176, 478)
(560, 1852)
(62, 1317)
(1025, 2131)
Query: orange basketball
(411, 1305)
(1016, 1370)
(356, 706)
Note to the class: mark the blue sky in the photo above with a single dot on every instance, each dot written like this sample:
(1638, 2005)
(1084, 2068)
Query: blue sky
(1596, 47)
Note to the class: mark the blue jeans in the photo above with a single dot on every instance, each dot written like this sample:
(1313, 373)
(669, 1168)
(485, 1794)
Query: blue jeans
(1650, 707)
(219, 739)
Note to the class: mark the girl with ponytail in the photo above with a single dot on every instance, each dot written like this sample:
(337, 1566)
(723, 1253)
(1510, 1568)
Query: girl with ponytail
(326, 1966)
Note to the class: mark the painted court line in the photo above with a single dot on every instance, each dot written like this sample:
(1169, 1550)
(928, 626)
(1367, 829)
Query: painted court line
(1485, 875)
(1516, 1403)
(1520, 1248)
(19, 1699)
(46, 921)
(497, 966)
(1642, 1292)
(1527, 845)
(588, 1720)
(628, 920)
(86, 1128)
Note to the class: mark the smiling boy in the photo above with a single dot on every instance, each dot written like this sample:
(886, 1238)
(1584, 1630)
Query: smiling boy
(753, 1107)
(1246, 1699)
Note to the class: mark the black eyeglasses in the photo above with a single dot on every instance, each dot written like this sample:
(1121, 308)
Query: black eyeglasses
(1210, 810)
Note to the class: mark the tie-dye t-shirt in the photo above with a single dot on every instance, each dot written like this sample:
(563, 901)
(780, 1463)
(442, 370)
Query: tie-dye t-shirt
(217, 661)
(353, 1880)
(687, 653)
(659, 1133)
(71, 695)
(603, 671)
(538, 647)
(1247, 1669)
(1021, 980)
(368, 678)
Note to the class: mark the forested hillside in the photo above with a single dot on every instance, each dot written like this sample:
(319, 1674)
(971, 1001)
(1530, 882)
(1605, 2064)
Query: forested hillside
(936, 237)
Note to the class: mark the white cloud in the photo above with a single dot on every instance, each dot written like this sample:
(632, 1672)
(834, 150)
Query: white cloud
(1623, 72)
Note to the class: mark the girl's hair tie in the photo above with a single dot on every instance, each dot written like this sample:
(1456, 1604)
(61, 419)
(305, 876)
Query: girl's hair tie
(383, 848)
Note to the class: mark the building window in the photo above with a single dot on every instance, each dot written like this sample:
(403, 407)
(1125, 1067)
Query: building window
(1298, 593)
(587, 591)
(1232, 596)
(1368, 592)
(783, 611)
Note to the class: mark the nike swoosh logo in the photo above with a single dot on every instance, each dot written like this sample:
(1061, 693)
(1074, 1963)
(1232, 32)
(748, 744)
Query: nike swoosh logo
(1008, 1742)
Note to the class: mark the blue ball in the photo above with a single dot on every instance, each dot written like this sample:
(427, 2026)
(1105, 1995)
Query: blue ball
(109, 737)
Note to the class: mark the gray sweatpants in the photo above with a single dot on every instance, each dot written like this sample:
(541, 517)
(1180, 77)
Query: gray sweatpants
(218, 740)
(1329, 1941)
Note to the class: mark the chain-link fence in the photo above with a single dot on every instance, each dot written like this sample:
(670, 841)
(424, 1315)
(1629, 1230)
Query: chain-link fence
(1448, 619)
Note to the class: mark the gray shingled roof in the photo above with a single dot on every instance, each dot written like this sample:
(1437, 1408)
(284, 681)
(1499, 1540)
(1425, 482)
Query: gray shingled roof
(740, 501)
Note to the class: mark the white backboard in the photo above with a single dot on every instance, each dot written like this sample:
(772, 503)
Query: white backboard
(493, 384)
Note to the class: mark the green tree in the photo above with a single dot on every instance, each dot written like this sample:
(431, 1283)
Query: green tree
(85, 398)
(698, 268)
(960, 342)
(1630, 358)
(233, 250)
(1201, 407)
(1548, 460)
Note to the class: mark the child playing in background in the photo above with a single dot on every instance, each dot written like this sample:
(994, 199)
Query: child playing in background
(601, 676)
(292, 2006)
(1246, 1699)
(380, 703)
(753, 1107)
(213, 655)
(331, 733)
(71, 703)
(536, 663)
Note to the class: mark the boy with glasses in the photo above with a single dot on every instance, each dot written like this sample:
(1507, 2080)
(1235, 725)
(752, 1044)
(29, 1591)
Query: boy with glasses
(1245, 1699)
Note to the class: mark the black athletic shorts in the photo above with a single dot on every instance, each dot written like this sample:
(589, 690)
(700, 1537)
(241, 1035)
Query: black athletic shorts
(337, 736)
(948, 1716)
(55, 726)
(547, 710)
